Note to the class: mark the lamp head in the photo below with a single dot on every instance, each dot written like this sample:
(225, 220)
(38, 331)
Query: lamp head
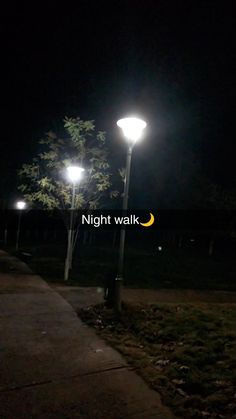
(20, 205)
(132, 128)
(74, 173)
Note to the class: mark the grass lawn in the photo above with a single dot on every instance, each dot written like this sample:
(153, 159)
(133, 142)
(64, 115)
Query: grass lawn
(186, 352)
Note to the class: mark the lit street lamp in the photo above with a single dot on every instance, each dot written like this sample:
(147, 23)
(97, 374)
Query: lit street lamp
(132, 129)
(74, 174)
(20, 205)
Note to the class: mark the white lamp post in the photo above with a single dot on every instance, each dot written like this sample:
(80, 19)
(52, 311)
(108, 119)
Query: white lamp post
(74, 174)
(132, 129)
(20, 205)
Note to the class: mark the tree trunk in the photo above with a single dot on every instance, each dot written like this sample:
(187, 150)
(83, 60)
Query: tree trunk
(85, 237)
(5, 236)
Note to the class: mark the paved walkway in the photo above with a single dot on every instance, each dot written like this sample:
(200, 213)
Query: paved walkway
(53, 366)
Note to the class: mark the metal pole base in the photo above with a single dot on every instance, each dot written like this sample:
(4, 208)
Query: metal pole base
(66, 271)
(118, 292)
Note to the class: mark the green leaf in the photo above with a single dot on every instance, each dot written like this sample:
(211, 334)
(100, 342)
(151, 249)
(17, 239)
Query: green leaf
(43, 182)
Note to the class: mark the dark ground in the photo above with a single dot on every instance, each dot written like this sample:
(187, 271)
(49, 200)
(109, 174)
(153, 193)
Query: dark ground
(184, 351)
(53, 365)
(194, 291)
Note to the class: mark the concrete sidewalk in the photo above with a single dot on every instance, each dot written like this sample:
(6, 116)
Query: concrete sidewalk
(53, 365)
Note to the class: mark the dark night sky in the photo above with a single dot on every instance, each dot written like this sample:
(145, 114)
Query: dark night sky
(172, 62)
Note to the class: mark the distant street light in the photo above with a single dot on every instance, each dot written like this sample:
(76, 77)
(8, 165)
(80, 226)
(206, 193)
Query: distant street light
(132, 129)
(20, 205)
(74, 174)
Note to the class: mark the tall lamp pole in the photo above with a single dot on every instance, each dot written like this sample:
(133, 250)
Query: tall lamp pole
(20, 205)
(74, 175)
(132, 129)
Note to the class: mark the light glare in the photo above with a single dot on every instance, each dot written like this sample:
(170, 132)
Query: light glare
(74, 173)
(132, 128)
(20, 205)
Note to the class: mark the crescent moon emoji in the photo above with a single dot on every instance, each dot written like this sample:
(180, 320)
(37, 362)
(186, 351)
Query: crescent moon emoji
(150, 222)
